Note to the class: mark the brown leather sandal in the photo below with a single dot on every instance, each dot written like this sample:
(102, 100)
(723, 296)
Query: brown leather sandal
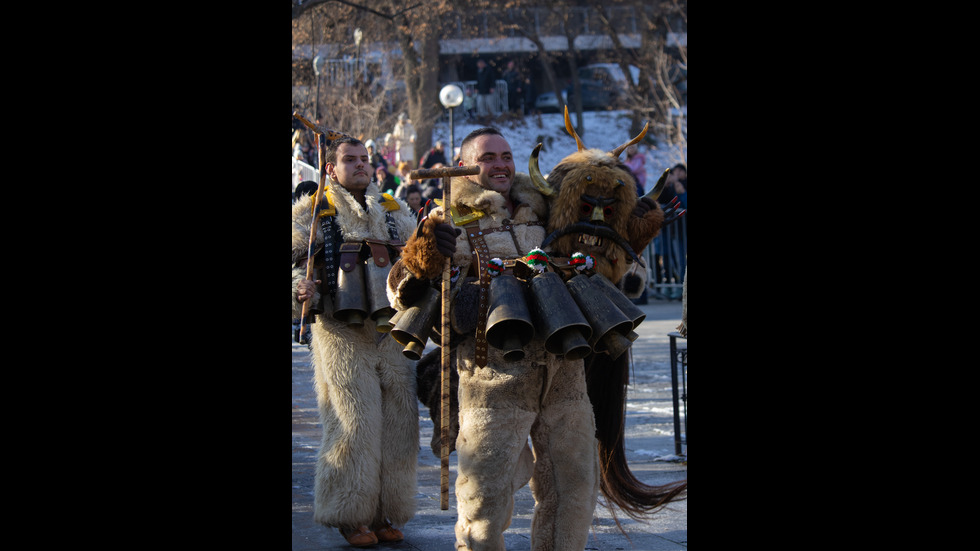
(359, 537)
(389, 533)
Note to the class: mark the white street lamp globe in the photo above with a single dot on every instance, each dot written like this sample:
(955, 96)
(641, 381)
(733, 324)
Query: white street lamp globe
(450, 96)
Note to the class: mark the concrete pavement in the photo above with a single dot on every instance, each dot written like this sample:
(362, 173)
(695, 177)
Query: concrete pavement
(649, 445)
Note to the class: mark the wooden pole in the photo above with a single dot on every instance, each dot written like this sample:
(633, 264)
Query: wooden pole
(446, 173)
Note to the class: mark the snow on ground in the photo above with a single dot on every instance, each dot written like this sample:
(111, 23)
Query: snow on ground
(604, 130)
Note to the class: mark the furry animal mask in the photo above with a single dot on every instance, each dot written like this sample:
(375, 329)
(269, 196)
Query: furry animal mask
(593, 195)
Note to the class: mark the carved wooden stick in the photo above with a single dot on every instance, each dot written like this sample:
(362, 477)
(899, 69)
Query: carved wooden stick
(446, 173)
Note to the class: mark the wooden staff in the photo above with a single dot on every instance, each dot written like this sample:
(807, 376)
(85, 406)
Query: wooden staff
(320, 133)
(446, 173)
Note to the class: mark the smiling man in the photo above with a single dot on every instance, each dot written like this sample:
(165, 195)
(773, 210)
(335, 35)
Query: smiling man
(501, 401)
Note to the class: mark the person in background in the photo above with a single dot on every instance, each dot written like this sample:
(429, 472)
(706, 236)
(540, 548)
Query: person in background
(432, 187)
(678, 178)
(388, 152)
(376, 158)
(636, 162)
(514, 83)
(404, 136)
(386, 181)
(433, 156)
(403, 174)
(486, 78)
(529, 95)
(469, 104)
(676, 186)
(413, 196)
(365, 482)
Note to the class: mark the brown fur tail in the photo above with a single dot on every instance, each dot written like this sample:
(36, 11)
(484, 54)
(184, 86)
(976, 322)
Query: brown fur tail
(606, 381)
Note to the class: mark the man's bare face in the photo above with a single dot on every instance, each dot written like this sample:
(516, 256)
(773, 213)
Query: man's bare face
(352, 169)
(492, 153)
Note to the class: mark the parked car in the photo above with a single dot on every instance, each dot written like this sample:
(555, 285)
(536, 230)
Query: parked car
(603, 85)
(548, 102)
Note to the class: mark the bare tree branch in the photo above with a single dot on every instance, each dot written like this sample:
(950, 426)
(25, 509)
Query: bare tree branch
(300, 8)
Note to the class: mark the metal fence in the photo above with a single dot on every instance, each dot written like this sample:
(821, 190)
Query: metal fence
(498, 99)
(303, 171)
(666, 260)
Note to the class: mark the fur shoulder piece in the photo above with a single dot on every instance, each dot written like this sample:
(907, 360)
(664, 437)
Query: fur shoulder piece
(523, 191)
(302, 219)
(468, 193)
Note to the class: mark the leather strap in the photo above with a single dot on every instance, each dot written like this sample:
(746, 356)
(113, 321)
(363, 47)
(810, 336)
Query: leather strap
(349, 255)
(479, 246)
(379, 251)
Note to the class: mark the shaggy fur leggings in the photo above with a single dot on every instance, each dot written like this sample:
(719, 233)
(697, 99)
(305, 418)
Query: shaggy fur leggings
(499, 407)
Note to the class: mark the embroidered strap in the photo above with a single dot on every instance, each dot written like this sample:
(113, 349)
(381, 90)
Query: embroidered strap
(331, 236)
(479, 246)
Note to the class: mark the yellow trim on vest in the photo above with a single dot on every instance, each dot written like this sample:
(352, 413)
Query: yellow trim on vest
(463, 215)
(389, 203)
(328, 210)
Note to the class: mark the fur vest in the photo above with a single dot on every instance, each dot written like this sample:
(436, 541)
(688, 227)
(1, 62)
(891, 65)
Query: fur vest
(355, 223)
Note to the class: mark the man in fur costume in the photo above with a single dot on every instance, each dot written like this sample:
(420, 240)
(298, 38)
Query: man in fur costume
(365, 387)
(594, 213)
(502, 402)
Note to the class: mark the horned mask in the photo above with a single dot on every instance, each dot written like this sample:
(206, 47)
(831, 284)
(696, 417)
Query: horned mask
(592, 196)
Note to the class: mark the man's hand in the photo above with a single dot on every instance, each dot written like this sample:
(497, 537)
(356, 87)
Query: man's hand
(305, 289)
(446, 238)
(425, 253)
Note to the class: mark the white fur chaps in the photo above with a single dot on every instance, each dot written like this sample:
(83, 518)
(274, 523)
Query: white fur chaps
(365, 470)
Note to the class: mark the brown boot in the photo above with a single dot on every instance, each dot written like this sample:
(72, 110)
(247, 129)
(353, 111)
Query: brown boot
(389, 533)
(359, 537)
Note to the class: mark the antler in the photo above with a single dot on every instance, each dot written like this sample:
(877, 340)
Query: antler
(619, 150)
(571, 130)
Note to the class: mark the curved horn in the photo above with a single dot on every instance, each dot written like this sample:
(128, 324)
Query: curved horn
(536, 178)
(619, 150)
(657, 189)
(571, 130)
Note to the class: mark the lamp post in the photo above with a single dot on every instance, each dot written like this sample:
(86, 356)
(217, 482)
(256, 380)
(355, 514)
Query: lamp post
(316, 102)
(358, 35)
(451, 96)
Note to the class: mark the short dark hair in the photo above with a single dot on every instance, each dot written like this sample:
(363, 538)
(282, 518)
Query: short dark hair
(414, 188)
(680, 166)
(331, 155)
(486, 130)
